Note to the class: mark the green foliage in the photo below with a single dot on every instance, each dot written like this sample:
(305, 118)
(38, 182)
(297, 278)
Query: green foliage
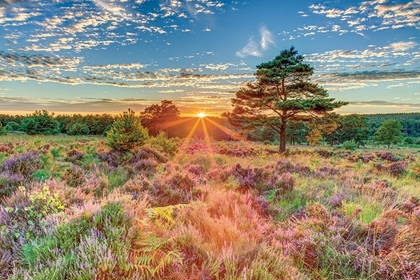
(282, 93)
(126, 133)
(40, 122)
(3, 130)
(349, 145)
(12, 126)
(78, 129)
(408, 140)
(349, 128)
(389, 133)
(155, 117)
(163, 144)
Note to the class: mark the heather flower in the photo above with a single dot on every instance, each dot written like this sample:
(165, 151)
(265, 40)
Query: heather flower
(25, 164)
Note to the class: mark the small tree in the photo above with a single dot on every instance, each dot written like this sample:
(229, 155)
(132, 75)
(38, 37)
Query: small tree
(282, 93)
(389, 133)
(40, 122)
(350, 128)
(155, 116)
(126, 132)
(164, 144)
(12, 126)
(77, 129)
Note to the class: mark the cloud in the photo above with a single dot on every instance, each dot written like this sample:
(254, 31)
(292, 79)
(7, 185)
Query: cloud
(75, 71)
(9, 2)
(384, 103)
(111, 7)
(381, 14)
(395, 85)
(218, 67)
(256, 49)
(252, 48)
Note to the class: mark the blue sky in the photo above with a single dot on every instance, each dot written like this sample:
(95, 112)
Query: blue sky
(104, 56)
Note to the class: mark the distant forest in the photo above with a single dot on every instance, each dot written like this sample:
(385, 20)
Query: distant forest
(409, 121)
(43, 122)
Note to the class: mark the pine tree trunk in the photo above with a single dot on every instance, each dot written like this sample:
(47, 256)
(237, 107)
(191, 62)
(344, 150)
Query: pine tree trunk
(282, 144)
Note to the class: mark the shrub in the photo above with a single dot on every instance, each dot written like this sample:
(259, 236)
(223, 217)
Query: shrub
(12, 126)
(40, 122)
(3, 130)
(349, 145)
(174, 189)
(78, 129)
(397, 169)
(24, 164)
(5, 149)
(163, 144)
(149, 153)
(126, 133)
(74, 176)
(9, 182)
(408, 140)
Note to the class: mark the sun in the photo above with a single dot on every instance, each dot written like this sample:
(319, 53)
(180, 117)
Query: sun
(201, 115)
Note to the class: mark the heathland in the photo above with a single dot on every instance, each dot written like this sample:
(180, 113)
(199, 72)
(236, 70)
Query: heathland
(73, 208)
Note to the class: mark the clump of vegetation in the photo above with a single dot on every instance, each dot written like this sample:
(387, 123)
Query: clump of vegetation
(3, 130)
(12, 126)
(40, 122)
(78, 129)
(164, 144)
(126, 133)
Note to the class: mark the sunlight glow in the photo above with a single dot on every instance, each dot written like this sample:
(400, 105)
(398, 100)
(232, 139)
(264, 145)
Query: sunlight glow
(208, 142)
(201, 115)
(226, 130)
(187, 140)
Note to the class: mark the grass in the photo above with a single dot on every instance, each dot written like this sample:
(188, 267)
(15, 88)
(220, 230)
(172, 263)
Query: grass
(243, 212)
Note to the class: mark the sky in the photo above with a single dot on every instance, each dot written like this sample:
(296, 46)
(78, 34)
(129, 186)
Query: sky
(105, 56)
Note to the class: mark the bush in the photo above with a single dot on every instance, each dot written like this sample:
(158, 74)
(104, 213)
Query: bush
(24, 164)
(408, 140)
(3, 130)
(40, 122)
(12, 126)
(126, 133)
(163, 144)
(78, 129)
(349, 145)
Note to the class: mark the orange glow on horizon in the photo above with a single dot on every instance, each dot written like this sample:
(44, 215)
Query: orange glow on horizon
(201, 115)
(226, 130)
(173, 123)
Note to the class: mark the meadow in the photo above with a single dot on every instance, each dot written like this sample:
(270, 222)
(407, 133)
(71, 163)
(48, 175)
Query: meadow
(71, 208)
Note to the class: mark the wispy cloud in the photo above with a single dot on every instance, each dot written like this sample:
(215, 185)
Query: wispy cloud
(257, 48)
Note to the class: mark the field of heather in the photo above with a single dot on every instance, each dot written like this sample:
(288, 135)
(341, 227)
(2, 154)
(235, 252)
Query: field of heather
(71, 208)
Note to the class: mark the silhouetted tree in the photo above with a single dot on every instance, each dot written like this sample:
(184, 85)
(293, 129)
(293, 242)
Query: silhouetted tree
(156, 116)
(283, 92)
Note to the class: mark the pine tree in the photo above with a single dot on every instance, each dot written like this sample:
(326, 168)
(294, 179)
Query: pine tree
(126, 132)
(283, 92)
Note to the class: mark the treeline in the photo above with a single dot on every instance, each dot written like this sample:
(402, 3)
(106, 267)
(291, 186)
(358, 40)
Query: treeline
(335, 130)
(155, 120)
(339, 129)
(46, 123)
(409, 121)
